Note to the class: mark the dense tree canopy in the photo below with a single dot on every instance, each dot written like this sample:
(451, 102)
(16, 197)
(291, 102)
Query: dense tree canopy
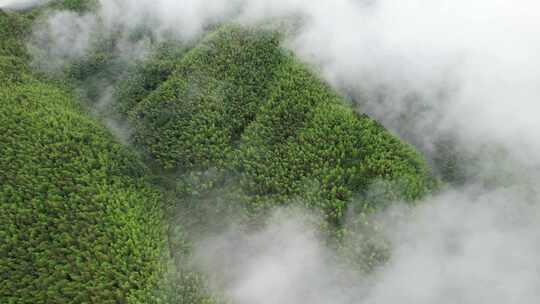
(239, 102)
(233, 120)
(79, 224)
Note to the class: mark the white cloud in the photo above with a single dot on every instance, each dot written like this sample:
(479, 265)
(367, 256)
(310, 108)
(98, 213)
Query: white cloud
(19, 4)
(476, 66)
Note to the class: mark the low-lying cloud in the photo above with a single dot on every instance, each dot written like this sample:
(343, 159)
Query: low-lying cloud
(20, 4)
(424, 69)
(459, 247)
(470, 69)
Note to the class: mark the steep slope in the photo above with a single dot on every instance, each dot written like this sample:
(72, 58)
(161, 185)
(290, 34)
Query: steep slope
(14, 28)
(239, 102)
(307, 140)
(192, 120)
(78, 224)
(236, 119)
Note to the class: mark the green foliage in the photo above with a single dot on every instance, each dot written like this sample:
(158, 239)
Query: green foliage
(99, 63)
(12, 69)
(78, 222)
(107, 64)
(146, 76)
(98, 68)
(248, 125)
(239, 102)
(184, 286)
(195, 117)
(14, 28)
(397, 168)
(75, 5)
(453, 165)
(83, 225)
(307, 142)
(303, 141)
(181, 284)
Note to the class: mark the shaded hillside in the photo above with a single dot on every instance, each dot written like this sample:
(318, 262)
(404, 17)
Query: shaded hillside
(235, 124)
(78, 224)
(238, 102)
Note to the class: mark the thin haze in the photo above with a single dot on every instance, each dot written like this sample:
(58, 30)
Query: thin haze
(451, 249)
(474, 66)
(20, 4)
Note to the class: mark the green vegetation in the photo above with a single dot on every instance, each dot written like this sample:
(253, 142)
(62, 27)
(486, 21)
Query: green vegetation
(78, 222)
(14, 28)
(193, 119)
(74, 5)
(231, 126)
(237, 102)
(146, 76)
(306, 135)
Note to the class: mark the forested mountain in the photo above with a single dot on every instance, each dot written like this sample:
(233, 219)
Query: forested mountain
(231, 124)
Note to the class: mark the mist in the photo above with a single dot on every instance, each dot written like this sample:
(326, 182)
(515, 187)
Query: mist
(471, 69)
(463, 247)
(459, 247)
(285, 261)
(20, 4)
(424, 69)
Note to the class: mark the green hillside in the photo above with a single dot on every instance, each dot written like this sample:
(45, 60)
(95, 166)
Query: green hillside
(233, 123)
(193, 118)
(239, 102)
(78, 222)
